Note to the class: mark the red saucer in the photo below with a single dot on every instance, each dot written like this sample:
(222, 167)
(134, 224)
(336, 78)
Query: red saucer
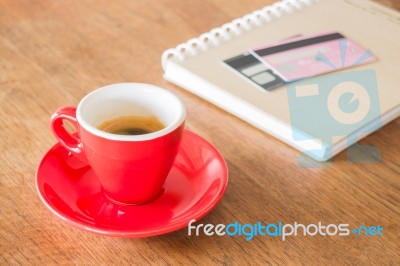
(197, 181)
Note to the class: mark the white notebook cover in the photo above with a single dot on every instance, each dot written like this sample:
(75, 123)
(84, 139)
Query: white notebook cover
(197, 66)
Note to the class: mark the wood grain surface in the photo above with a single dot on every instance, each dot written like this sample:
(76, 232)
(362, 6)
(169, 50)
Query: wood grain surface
(52, 53)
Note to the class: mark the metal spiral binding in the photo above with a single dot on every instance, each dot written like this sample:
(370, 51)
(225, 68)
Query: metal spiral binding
(234, 28)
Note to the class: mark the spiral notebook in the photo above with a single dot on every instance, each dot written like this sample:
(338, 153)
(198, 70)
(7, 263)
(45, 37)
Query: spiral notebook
(320, 116)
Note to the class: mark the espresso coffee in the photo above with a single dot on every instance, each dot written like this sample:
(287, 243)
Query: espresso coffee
(132, 125)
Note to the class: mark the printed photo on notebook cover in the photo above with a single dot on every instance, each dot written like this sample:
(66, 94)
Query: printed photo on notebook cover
(312, 55)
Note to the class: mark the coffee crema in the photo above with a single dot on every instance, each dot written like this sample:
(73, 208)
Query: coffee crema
(132, 125)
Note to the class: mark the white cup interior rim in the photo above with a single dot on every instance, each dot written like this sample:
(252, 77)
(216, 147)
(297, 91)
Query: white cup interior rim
(176, 109)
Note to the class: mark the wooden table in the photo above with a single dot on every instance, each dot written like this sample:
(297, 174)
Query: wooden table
(52, 53)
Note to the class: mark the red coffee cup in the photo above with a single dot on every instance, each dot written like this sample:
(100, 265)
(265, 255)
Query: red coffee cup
(130, 168)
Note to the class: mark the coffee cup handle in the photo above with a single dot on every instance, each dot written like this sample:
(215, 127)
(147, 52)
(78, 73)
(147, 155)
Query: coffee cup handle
(70, 141)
